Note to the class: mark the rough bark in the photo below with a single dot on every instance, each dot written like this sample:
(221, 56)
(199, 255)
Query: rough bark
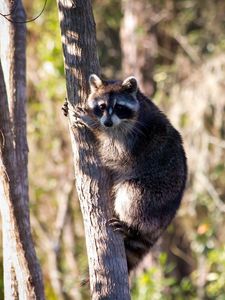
(22, 275)
(106, 254)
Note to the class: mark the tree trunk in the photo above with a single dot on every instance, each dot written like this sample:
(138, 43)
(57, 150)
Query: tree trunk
(106, 254)
(138, 42)
(22, 275)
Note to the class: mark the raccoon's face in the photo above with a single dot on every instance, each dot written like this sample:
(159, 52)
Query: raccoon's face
(113, 103)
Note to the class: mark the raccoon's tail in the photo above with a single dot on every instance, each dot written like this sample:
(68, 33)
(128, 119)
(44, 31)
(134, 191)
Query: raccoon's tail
(136, 247)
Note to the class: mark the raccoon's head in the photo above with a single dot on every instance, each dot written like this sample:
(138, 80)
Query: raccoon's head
(114, 103)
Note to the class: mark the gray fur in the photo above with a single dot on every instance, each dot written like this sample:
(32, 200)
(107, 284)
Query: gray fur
(146, 160)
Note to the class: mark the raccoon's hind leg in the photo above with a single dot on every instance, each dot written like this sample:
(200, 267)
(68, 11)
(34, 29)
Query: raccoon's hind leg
(131, 205)
(136, 245)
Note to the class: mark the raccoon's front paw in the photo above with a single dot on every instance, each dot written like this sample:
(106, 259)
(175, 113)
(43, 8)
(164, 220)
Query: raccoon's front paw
(79, 112)
(65, 108)
(119, 226)
(80, 116)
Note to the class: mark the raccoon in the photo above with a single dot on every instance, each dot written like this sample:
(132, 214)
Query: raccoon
(145, 158)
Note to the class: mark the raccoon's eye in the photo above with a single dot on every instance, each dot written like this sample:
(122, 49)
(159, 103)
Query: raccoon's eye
(102, 106)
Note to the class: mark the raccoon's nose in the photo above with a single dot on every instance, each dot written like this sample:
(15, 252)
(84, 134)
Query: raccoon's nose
(108, 123)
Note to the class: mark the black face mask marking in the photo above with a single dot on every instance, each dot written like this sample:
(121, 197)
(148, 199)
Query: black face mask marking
(122, 106)
(98, 111)
(123, 112)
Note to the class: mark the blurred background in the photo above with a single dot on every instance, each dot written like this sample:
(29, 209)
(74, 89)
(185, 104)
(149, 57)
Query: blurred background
(176, 50)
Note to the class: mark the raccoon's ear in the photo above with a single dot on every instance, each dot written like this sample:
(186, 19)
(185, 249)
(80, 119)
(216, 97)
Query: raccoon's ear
(95, 82)
(130, 84)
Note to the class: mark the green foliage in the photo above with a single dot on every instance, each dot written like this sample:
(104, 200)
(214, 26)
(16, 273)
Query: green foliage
(215, 286)
(159, 283)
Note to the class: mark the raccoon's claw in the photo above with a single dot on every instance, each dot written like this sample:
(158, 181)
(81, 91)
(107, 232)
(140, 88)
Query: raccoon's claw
(119, 226)
(65, 108)
(78, 123)
(78, 112)
(85, 282)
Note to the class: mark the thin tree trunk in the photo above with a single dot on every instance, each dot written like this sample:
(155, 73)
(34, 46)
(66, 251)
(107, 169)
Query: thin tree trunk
(138, 42)
(106, 254)
(22, 275)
